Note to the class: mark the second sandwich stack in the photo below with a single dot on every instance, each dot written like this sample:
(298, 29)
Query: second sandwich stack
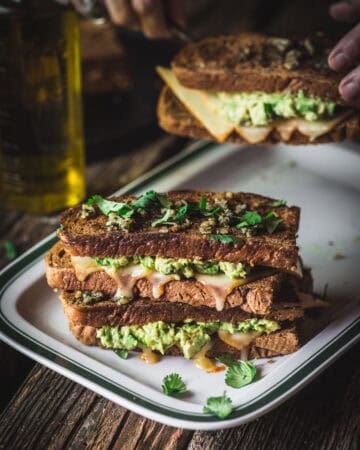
(189, 273)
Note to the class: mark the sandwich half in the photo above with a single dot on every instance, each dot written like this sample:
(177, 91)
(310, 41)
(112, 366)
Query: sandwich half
(257, 89)
(190, 273)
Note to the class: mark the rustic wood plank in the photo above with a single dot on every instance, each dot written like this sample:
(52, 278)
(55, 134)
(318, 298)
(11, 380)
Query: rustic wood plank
(325, 415)
(141, 433)
(50, 411)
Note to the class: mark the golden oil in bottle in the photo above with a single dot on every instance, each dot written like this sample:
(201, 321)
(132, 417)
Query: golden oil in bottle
(41, 130)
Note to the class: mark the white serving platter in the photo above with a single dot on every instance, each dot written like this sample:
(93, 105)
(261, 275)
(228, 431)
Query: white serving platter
(324, 180)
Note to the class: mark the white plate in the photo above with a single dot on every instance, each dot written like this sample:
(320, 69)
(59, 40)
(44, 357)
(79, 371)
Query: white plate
(323, 180)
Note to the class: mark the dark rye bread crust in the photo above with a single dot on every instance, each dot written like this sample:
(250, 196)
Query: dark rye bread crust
(256, 297)
(278, 343)
(176, 119)
(140, 312)
(90, 237)
(214, 64)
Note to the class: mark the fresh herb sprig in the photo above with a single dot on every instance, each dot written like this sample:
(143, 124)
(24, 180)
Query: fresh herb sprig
(123, 354)
(219, 406)
(173, 385)
(10, 250)
(252, 220)
(149, 200)
(240, 374)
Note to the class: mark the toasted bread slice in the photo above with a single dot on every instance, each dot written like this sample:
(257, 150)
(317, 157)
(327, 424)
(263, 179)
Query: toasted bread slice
(140, 312)
(176, 119)
(90, 236)
(255, 297)
(280, 342)
(251, 62)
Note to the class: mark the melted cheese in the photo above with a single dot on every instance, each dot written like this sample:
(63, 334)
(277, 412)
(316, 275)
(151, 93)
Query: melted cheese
(253, 135)
(309, 301)
(205, 363)
(148, 355)
(84, 266)
(203, 105)
(194, 101)
(240, 341)
(218, 286)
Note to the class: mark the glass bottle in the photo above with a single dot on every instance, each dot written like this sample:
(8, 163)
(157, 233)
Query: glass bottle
(41, 130)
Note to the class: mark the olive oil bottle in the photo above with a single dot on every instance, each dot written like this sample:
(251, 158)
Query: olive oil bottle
(41, 130)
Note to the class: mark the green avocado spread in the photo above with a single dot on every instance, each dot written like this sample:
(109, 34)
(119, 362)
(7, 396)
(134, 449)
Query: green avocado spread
(182, 268)
(189, 336)
(259, 108)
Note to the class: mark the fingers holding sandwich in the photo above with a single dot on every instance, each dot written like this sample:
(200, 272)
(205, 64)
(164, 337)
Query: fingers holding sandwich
(344, 56)
(149, 16)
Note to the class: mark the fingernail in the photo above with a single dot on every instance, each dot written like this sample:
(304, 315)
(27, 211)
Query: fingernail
(339, 61)
(350, 90)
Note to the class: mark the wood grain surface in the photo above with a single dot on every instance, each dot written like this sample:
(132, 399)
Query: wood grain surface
(44, 410)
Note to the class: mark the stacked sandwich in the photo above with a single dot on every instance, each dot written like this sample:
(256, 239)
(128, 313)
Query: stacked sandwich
(255, 88)
(189, 273)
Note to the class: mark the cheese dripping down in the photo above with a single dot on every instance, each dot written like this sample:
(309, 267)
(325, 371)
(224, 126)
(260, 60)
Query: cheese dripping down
(240, 341)
(205, 363)
(203, 105)
(218, 286)
(148, 356)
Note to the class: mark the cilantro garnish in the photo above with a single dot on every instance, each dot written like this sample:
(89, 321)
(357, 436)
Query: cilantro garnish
(151, 198)
(164, 219)
(249, 219)
(173, 385)
(203, 210)
(10, 250)
(202, 202)
(226, 239)
(220, 406)
(227, 359)
(271, 222)
(109, 206)
(253, 219)
(240, 374)
(277, 203)
(123, 354)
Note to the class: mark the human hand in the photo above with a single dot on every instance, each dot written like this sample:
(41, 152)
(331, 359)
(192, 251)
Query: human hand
(149, 16)
(346, 54)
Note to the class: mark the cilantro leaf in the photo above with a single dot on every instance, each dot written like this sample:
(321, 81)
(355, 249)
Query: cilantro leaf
(123, 354)
(220, 406)
(226, 239)
(227, 359)
(10, 250)
(151, 198)
(249, 219)
(173, 385)
(277, 203)
(163, 219)
(202, 203)
(184, 210)
(109, 206)
(240, 374)
(211, 213)
(272, 222)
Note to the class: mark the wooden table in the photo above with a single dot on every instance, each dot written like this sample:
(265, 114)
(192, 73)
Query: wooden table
(42, 409)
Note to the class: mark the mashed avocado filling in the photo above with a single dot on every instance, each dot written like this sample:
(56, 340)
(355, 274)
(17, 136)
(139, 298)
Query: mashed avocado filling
(182, 268)
(259, 108)
(189, 336)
